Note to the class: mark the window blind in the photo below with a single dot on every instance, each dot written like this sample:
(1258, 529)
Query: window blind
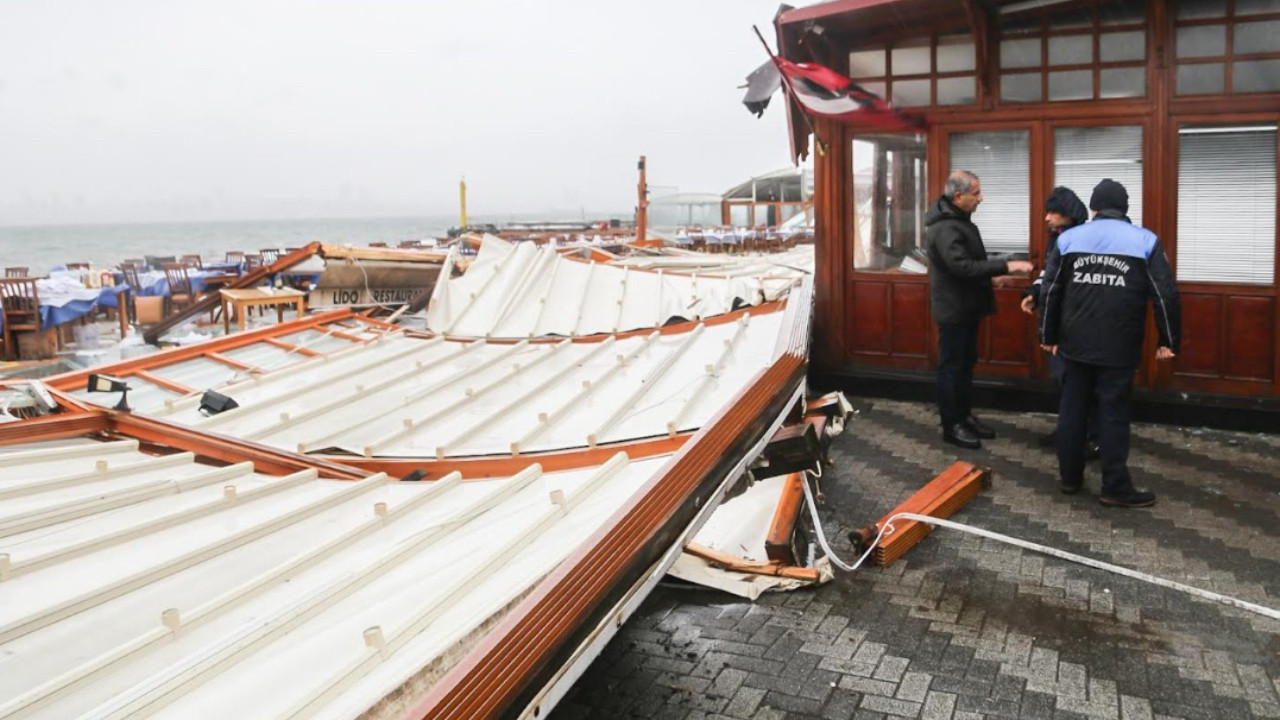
(1002, 162)
(1227, 204)
(1084, 156)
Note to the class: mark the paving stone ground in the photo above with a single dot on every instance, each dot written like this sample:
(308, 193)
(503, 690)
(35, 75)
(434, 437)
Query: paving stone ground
(964, 628)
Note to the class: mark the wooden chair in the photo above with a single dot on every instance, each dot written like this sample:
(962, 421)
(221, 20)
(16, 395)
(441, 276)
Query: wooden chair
(77, 266)
(269, 255)
(252, 260)
(192, 261)
(20, 302)
(17, 271)
(377, 244)
(181, 295)
(235, 256)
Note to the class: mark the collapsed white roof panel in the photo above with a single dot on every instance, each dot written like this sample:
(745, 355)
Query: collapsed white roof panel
(516, 290)
(410, 397)
(205, 603)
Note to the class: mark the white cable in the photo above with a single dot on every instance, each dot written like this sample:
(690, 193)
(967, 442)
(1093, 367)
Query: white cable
(887, 528)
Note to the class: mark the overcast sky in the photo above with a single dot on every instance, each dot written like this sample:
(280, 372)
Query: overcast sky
(154, 110)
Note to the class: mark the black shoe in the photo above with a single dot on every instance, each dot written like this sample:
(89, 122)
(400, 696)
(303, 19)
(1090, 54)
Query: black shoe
(1092, 451)
(960, 434)
(979, 428)
(1130, 498)
(1050, 440)
(1070, 488)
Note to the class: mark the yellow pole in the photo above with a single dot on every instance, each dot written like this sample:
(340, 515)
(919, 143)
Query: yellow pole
(642, 209)
(462, 196)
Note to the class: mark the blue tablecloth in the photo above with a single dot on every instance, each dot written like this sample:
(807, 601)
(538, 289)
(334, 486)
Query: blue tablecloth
(51, 315)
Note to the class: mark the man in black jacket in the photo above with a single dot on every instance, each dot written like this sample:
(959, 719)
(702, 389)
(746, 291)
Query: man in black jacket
(961, 294)
(1097, 283)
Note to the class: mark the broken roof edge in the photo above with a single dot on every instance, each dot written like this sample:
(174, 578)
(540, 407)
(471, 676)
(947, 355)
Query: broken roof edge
(72, 421)
(826, 9)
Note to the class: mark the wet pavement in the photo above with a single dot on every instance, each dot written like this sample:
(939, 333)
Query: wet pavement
(966, 628)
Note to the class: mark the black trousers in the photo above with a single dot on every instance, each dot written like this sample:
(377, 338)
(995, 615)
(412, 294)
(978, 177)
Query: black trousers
(957, 354)
(1109, 389)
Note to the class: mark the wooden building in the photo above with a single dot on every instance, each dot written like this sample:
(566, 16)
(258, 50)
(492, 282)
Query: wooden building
(1177, 99)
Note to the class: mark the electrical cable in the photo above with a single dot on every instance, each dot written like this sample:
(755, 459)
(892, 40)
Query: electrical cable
(887, 528)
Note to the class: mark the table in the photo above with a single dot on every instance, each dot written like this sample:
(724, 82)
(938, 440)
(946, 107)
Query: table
(242, 299)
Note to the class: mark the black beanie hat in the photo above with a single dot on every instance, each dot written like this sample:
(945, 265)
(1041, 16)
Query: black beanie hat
(1065, 202)
(1109, 195)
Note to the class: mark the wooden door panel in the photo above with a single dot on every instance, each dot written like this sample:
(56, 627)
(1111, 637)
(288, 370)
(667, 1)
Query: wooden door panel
(871, 317)
(1201, 354)
(1249, 345)
(911, 324)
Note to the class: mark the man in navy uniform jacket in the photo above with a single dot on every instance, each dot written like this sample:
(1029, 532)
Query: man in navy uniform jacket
(1098, 280)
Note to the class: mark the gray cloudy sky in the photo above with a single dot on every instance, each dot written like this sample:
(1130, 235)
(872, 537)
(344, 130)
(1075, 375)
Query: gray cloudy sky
(218, 109)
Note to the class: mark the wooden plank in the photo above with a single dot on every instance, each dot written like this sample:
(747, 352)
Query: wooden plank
(775, 568)
(777, 543)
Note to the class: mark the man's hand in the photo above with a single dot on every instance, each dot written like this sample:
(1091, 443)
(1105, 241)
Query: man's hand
(1029, 305)
(1051, 349)
(1018, 266)
(1002, 280)
(1164, 353)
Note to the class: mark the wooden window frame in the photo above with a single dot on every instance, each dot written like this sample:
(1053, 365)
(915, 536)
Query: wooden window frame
(889, 79)
(1043, 33)
(1229, 58)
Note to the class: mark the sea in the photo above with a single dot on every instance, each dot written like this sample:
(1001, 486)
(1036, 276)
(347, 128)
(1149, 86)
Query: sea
(41, 247)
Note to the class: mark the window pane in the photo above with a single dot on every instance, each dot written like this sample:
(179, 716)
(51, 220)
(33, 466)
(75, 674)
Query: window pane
(867, 63)
(1020, 53)
(956, 91)
(1201, 79)
(1002, 161)
(879, 89)
(1070, 49)
(911, 93)
(1084, 156)
(1123, 82)
(911, 60)
(1121, 46)
(1257, 37)
(740, 215)
(1022, 22)
(890, 201)
(1251, 7)
(1255, 76)
(1024, 87)
(1071, 85)
(1071, 18)
(1192, 9)
(955, 53)
(1227, 205)
(1202, 41)
(1116, 12)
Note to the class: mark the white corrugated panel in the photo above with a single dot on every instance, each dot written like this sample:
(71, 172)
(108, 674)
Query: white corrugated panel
(1002, 162)
(1227, 204)
(1084, 156)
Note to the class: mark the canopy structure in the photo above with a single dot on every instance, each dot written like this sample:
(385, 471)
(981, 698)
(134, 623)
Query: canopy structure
(180, 562)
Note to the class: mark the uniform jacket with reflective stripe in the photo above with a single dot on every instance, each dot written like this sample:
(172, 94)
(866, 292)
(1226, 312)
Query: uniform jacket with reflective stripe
(1097, 282)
